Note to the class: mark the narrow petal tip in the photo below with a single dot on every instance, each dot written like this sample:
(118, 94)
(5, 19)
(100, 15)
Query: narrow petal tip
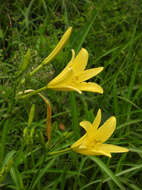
(73, 54)
(99, 111)
(113, 119)
(124, 149)
(85, 124)
(69, 29)
(68, 32)
(84, 50)
(109, 155)
(101, 68)
(101, 91)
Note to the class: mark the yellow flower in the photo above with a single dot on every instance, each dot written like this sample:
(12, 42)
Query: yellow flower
(92, 143)
(74, 74)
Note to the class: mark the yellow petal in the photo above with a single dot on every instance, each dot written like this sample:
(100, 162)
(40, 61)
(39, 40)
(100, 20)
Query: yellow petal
(91, 131)
(90, 86)
(104, 153)
(71, 88)
(59, 46)
(64, 87)
(86, 151)
(78, 142)
(86, 125)
(91, 151)
(87, 74)
(97, 120)
(106, 130)
(63, 77)
(72, 59)
(112, 148)
(65, 74)
(80, 61)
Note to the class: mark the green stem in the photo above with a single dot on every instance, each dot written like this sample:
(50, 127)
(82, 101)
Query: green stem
(74, 112)
(33, 72)
(60, 151)
(32, 93)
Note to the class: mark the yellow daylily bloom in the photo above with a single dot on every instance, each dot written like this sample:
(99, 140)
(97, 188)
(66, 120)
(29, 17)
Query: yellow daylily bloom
(74, 74)
(92, 143)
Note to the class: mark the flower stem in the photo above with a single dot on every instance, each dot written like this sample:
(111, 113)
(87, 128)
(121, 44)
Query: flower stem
(60, 151)
(32, 92)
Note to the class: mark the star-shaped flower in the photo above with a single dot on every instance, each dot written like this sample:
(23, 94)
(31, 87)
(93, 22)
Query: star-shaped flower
(92, 143)
(74, 75)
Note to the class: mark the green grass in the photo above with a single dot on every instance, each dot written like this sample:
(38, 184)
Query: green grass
(111, 32)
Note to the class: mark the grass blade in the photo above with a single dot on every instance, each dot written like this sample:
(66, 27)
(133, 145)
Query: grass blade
(74, 112)
(42, 173)
(107, 171)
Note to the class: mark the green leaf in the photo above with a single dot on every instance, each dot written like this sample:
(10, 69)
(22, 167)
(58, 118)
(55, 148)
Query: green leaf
(107, 171)
(82, 34)
(17, 178)
(42, 173)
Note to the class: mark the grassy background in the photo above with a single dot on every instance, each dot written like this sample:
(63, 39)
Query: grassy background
(111, 32)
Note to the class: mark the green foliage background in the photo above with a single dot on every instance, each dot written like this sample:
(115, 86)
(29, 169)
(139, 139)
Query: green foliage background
(111, 31)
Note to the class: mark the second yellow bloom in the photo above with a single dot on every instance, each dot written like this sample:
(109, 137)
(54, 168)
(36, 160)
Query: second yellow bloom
(74, 75)
(92, 143)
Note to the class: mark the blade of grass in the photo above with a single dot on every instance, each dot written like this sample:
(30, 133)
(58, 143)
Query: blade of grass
(85, 106)
(133, 75)
(3, 141)
(27, 13)
(128, 101)
(126, 171)
(107, 171)
(42, 173)
(130, 88)
(74, 112)
(128, 123)
(91, 183)
(17, 178)
(82, 34)
(66, 12)
(115, 97)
